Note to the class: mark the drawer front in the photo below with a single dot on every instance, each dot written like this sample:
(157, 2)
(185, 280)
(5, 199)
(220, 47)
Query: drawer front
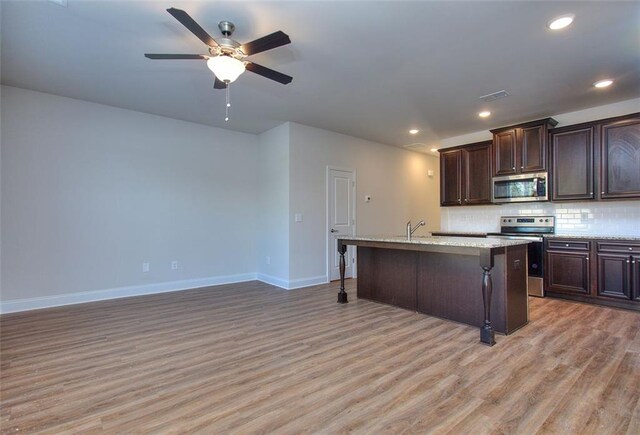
(569, 245)
(619, 247)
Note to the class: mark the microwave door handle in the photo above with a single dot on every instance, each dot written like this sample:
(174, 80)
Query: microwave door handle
(535, 189)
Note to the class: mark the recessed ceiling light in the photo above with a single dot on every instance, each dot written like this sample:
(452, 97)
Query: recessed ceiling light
(561, 22)
(484, 114)
(414, 131)
(603, 83)
(433, 150)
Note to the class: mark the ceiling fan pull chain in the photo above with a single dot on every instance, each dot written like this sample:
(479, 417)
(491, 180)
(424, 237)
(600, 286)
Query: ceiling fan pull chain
(228, 103)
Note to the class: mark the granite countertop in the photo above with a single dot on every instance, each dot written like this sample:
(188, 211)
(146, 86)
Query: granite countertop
(590, 237)
(461, 242)
(458, 233)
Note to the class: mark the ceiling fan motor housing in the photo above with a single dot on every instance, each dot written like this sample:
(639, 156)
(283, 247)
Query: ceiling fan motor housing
(226, 27)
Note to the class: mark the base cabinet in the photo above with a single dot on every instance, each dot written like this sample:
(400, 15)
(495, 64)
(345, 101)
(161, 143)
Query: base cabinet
(613, 276)
(613, 280)
(568, 272)
(635, 274)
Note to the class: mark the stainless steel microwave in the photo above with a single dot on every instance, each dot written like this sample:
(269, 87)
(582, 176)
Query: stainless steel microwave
(520, 188)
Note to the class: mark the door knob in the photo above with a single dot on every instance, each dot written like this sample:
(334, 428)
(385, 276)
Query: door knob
(334, 231)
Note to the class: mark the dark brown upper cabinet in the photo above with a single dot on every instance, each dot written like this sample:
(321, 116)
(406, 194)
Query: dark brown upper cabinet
(451, 177)
(572, 167)
(596, 160)
(465, 175)
(620, 158)
(522, 148)
(476, 177)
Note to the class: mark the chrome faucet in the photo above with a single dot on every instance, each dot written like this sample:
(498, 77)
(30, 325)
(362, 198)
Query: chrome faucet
(410, 230)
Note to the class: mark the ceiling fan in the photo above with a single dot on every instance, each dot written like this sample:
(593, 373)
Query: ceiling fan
(227, 58)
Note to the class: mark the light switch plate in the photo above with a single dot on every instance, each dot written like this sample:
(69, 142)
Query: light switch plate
(298, 217)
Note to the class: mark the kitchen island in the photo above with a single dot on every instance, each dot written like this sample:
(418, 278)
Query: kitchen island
(480, 282)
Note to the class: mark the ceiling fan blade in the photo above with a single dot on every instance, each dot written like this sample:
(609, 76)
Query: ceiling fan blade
(219, 84)
(276, 39)
(175, 56)
(269, 73)
(194, 27)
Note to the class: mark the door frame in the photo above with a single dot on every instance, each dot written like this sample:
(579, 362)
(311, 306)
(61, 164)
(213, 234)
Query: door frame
(352, 256)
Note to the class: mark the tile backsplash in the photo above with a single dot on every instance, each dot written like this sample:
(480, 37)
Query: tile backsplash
(620, 218)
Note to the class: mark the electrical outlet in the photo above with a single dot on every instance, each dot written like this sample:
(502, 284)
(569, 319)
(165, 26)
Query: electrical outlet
(174, 265)
(146, 267)
(268, 260)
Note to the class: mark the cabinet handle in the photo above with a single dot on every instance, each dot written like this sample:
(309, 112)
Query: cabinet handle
(601, 193)
(633, 261)
(567, 245)
(627, 261)
(522, 167)
(587, 258)
(514, 168)
(630, 249)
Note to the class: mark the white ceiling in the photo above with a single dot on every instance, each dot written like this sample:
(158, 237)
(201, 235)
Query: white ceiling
(367, 69)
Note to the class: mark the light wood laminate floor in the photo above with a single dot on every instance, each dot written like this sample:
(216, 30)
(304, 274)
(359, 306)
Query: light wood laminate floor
(250, 358)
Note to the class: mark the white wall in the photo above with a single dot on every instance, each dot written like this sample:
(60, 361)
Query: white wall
(586, 115)
(273, 213)
(90, 192)
(395, 178)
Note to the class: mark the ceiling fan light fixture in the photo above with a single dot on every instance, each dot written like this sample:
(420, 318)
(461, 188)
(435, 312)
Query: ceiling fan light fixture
(226, 68)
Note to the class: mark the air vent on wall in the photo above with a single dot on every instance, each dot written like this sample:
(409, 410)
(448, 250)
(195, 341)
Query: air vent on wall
(415, 146)
(494, 96)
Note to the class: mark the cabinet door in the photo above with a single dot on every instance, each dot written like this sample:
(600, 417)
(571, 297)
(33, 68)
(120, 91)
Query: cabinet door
(613, 276)
(450, 178)
(568, 272)
(635, 275)
(534, 149)
(572, 164)
(476, 163)
(504, 152)
(620, 149)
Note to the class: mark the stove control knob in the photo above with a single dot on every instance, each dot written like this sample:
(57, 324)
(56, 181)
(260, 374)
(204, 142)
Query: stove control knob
(546, 220)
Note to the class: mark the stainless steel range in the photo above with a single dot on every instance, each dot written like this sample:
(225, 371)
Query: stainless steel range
(531, 228)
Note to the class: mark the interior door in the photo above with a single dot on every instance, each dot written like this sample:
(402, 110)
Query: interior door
(341, 218)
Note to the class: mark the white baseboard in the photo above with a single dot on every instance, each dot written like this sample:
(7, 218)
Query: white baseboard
(307, 282)
(292, 284)
(121, 292)
(278, 282)
(17, 305)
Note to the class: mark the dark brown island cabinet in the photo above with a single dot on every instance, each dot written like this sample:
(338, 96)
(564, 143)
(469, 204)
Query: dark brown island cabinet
(605, 272)
(522, 148)
(465, 175)
(476, 281)
(596, 160)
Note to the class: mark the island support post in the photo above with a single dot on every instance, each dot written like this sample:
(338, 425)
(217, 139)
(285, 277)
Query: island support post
(342, 295)
(487, 334)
